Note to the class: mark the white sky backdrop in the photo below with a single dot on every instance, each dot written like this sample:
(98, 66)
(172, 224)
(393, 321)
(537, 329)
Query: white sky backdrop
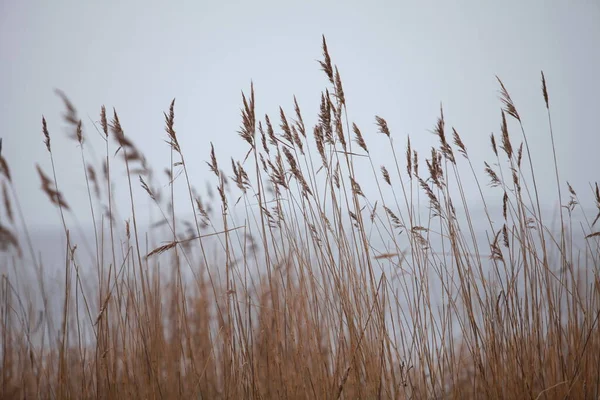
(397, 59)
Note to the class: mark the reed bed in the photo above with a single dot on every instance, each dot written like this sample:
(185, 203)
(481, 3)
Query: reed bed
(285, 279)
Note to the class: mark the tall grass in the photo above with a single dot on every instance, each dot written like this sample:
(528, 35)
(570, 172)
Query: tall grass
(293, 282)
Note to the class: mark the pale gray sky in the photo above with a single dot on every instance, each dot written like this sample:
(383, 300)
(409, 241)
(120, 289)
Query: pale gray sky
(397, 59)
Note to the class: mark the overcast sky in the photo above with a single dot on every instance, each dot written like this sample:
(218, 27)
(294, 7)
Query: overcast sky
(397, 59)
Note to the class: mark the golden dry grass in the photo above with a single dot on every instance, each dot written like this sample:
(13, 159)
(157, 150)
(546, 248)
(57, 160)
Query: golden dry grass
(315, 289)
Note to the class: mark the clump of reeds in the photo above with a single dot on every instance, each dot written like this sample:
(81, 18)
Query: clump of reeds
(305, 284)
